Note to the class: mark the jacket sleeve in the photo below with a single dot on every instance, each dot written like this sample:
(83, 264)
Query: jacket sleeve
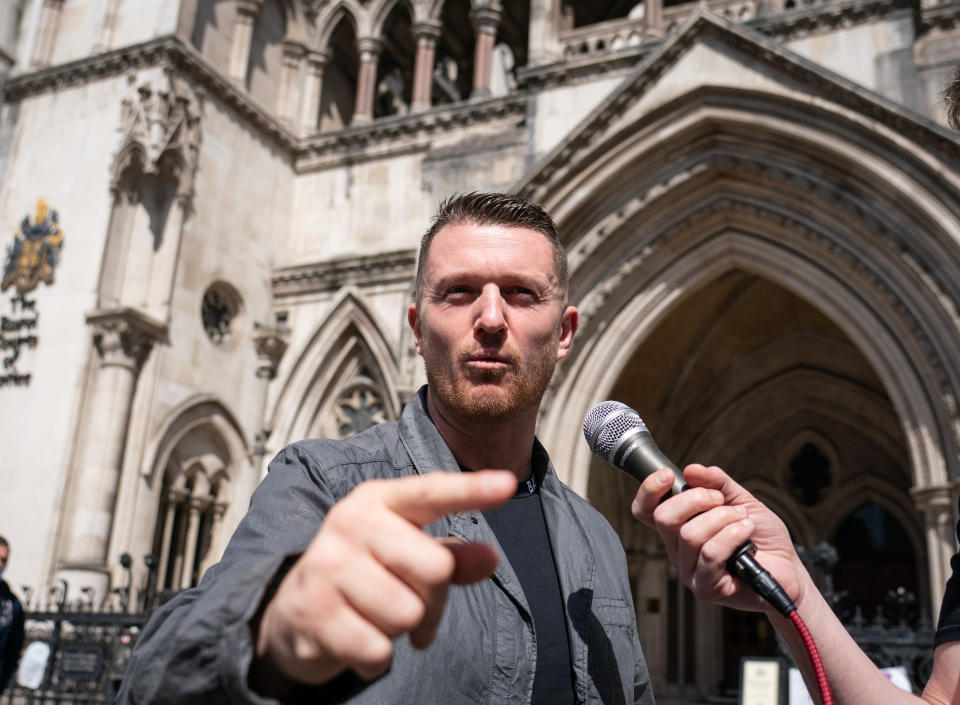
(13, 646)
(198, 647)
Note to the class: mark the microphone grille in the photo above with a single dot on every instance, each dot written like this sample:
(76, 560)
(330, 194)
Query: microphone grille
(606, 423)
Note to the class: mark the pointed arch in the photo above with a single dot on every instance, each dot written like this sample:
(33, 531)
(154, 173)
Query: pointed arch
(348, 353)
(327, 23)
(380, 11)
(843, 216)
(199, 411)
(199, 477)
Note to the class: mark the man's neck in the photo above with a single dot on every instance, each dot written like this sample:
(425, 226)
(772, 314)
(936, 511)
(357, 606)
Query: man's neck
(506, 445)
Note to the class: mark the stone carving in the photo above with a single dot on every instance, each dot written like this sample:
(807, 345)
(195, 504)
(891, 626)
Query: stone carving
(359, 407)
(160, 124)
(124, 337)
(271, 343)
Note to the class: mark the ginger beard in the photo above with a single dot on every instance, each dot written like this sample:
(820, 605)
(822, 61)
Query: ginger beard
(488, 396)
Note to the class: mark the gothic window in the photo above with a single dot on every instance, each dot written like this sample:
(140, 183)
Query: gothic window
(809, 474)
(189, 516)
(340, 77)
(453, 66)
(395, 69)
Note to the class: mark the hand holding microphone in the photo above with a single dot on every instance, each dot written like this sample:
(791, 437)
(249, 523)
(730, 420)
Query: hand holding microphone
(617, 434)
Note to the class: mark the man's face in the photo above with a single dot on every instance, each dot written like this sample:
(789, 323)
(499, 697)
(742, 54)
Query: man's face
(492, 320)
(4, 555)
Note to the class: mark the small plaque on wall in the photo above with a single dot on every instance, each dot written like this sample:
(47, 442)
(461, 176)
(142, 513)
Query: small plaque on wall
(759, 681)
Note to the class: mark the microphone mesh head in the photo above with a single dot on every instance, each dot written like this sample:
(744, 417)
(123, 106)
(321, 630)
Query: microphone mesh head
(606, 423)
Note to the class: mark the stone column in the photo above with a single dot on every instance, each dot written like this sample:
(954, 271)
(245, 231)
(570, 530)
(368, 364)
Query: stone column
(247, 12)
(369, 49)
(312, 92)
(288, 95)
(653, 17)
(936, 503)
(122, 338)
(426, 34)
(543, 40)
(196, 505)
(485, 21)
(174, 497)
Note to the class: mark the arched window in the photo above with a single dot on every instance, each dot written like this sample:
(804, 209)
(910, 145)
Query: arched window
(192, 504)
(395, 70)
(340, 77)
(453, 67)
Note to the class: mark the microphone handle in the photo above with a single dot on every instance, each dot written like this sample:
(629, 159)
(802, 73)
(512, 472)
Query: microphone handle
(641, 457)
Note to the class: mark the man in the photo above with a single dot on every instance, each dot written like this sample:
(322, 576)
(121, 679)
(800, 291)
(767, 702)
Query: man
(335, 587)
(11, 623)
(702, 527)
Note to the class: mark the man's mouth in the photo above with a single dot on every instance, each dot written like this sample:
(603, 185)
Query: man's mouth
(488, 361)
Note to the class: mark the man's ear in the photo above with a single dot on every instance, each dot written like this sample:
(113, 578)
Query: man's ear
(568, 326)
(413, 318)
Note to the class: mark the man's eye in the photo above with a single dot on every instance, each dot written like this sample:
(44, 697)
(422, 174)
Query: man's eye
(457, 293)
(520, 293)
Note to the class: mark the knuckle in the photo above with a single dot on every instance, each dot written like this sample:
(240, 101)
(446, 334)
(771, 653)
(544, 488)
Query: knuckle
(687, 534)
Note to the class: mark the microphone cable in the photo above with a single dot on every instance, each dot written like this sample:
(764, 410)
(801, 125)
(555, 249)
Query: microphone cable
(617, 434)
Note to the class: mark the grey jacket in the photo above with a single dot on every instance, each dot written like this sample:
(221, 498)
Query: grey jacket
(197, 648)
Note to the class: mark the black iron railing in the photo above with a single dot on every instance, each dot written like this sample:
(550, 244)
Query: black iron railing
(75, 651)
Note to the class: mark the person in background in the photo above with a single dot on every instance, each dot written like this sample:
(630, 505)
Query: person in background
(11, 623)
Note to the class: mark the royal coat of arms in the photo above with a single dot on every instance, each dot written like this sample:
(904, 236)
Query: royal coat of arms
(35, 251)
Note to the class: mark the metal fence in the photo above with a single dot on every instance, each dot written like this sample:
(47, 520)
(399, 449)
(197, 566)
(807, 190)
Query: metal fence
(76, 652)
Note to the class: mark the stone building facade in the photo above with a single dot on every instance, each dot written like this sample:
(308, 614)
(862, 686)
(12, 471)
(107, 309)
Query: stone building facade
(223, 200)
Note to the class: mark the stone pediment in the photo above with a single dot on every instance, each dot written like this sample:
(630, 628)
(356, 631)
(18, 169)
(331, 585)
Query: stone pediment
(710, 56)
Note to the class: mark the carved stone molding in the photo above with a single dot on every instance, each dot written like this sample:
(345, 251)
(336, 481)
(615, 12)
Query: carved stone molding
(271, 343)
(596, 300)
(390, 267)
(763, 52)
(124, 337)
(161, 121)
(382, 137)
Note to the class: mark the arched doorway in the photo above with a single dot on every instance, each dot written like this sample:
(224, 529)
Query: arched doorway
(748, 375)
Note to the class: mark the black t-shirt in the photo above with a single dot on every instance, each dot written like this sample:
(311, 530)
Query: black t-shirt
(948, 628)
(521, 529)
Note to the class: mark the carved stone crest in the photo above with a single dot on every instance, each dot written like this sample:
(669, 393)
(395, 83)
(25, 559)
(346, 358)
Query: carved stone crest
(35, 251)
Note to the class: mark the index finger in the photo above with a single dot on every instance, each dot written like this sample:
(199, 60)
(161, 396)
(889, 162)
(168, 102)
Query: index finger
(422, 499)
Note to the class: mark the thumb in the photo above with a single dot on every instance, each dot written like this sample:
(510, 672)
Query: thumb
(474, 561)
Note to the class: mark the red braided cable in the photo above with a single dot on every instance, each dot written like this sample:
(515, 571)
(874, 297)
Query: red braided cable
(826, 697)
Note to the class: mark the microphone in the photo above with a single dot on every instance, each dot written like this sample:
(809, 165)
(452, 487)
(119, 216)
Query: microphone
(617, 434)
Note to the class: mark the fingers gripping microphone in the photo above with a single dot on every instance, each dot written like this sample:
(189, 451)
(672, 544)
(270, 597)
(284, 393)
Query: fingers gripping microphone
(617, 434)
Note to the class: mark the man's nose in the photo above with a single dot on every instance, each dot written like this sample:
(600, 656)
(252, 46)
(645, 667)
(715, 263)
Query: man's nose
(490, 317)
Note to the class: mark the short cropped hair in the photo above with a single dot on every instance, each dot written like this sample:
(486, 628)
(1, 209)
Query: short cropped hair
(952, 100)
(4, 543)
(494, 209)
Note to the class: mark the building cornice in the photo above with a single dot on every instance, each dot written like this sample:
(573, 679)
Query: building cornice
(404, 133)
(782, 26)
(169, 51)
(828, 17)
(383, 137)
(762, 51)
(331, 275)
